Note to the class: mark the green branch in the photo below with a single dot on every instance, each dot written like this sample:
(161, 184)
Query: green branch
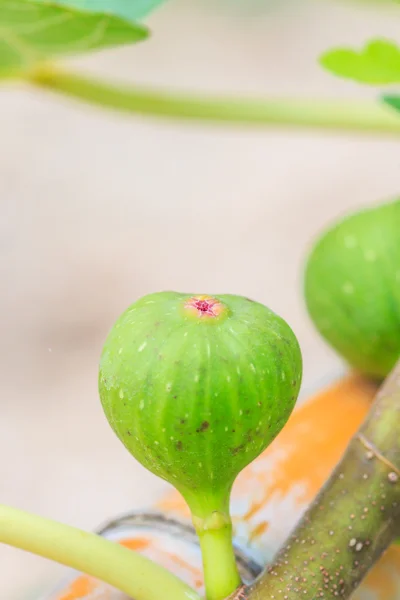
(362, 117)
(352, 521)
(133, 574)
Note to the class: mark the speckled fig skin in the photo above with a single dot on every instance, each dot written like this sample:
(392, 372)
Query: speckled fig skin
(196, 387)
(352, 288)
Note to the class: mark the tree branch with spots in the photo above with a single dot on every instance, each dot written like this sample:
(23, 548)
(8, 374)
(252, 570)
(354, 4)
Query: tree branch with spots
(353, 520)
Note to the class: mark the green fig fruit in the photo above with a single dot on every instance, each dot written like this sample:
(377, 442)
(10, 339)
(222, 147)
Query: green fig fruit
(352, 288)
(196, 387)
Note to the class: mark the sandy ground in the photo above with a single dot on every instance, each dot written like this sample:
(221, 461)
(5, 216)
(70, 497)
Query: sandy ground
(98, 209)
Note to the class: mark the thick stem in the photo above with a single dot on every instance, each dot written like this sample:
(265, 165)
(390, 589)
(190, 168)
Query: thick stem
(124, 569)
(367, 117)
(212, 522)
(353, 520)
(221, 574)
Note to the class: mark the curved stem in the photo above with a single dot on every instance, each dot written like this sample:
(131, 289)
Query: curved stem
(352, 116)
(135, 575)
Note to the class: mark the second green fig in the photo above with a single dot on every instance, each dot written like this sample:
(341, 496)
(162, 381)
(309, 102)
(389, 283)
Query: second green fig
(352, 288)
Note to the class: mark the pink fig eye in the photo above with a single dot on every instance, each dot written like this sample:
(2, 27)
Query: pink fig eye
(204, 306)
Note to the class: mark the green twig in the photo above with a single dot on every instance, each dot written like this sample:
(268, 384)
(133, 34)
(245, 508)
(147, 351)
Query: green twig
(220, 569)
(352, 521)
(366, 117)
(135, 575)
(221, 575)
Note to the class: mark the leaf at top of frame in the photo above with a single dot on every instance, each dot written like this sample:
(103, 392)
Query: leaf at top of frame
(32, 33)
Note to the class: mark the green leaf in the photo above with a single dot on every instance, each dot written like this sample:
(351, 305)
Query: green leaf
(394, 102)
(378, 63)
(31, 33)
(131, 10)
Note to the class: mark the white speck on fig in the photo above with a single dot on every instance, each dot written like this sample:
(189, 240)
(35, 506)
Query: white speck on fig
(348, 288)
(370, 255)
(350, 241)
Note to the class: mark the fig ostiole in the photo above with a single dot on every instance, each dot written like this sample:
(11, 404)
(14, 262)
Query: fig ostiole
(196, 387)
(352, 288)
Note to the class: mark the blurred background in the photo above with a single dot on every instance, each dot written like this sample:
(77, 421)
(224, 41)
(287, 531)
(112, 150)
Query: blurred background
(98, 209)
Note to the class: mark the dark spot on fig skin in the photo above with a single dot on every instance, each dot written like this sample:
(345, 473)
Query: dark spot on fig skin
(128, 432)
(182, 421)
(249, 436)
(203, 427)
(179, 445)
(235, 451)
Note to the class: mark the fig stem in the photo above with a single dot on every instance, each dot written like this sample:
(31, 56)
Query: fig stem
(352, 521)
(128, 571)
(358, 117)
(221, 574)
